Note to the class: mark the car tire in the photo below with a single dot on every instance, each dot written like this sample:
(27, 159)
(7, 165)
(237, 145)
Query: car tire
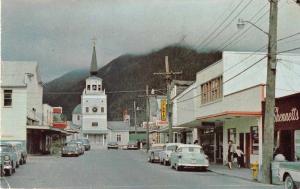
(152, 158)
(21, 161)
(164, 162)
(8, 172)
(17, 164)
(178, 168)
(14, 168)
(24, 160)
(289, 183)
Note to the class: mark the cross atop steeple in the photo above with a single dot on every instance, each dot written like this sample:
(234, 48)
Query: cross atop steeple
(93, 69)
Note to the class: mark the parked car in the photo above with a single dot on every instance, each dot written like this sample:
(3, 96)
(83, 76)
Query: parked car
(132, 145)
(86, 144)
(79, 144)
(71, 149)
(289, 173)
(20, 147)
(164, 155)
(112, 145)
(189, 156)
(153, 153)
(8, 159)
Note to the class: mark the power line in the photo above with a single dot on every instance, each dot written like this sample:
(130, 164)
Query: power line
(228, 24)
(289, 50)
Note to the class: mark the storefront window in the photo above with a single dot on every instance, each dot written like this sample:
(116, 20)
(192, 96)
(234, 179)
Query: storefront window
(254, 140)
(232, 135)
(297, 145)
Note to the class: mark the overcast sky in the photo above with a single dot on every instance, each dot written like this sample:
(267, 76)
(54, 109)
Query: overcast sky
(57, 33)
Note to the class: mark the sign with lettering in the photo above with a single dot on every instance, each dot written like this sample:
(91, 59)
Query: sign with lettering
(286, 112)
(163, 108)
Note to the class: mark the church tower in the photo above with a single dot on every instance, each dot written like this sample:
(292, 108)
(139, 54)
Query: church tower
(94, 107)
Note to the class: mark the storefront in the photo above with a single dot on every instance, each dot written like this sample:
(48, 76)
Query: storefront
(287, 127)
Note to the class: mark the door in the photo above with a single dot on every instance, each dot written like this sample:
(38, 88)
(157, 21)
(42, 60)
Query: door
(242, 143)
(247, 150)
(287, 144)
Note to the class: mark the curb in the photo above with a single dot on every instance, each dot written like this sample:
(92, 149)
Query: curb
(243, 178)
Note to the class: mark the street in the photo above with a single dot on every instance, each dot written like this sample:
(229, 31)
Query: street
(114, 169)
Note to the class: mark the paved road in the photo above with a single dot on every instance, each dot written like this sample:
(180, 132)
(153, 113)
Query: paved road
(115, 169)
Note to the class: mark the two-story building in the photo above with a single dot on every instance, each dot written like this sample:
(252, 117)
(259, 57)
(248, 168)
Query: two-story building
(227, 98)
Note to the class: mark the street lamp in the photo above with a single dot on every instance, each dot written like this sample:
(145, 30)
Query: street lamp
(241, 24)
(269, 121)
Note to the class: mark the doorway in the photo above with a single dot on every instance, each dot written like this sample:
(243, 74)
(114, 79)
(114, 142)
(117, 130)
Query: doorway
(247, 150)
(287, 144)
(242, 146)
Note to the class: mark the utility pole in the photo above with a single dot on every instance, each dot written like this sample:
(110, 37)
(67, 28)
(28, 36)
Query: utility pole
(147, 116)
(134, 109)
(169, 77)
(268, 133)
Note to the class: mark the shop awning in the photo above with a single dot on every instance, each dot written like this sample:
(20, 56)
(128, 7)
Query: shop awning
(228, 115)
(47, 128)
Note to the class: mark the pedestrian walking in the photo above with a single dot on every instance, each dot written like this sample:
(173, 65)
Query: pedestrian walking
(230, 154)
(240, 157)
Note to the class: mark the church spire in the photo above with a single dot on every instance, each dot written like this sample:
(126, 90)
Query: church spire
(93, 70)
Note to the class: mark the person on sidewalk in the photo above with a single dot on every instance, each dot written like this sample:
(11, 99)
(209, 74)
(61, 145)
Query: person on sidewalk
(240, 157)
(230, 154)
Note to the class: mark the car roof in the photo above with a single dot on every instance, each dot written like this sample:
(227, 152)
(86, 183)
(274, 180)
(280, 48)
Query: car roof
(189, 145)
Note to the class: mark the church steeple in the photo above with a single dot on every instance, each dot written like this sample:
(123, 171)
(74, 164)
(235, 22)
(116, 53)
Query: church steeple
(93, 69)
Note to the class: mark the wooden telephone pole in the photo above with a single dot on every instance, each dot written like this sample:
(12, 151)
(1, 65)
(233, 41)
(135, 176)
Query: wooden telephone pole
(169, 77)
(269, 120)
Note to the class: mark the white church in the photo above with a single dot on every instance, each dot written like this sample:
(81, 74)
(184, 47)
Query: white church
(91, 114)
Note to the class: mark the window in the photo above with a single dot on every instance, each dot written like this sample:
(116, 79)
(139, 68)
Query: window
(232, 135)
(78, 117)
(102, 109)
(94, 87)
(99, 87)
(211, 90)
(87, 109)
(254, 139)
(118, 138)
(7, 97)
(89, 87)
(94, 124)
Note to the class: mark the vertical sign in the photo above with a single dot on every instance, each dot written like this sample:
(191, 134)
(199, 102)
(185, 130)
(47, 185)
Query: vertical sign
(163, 107)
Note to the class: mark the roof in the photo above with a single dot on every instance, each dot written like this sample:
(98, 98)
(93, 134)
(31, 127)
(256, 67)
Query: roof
(189, 145)
(93, 69)
(118, 125)
(95, 131)
(14, 72)
(77, 109)
(138, 129)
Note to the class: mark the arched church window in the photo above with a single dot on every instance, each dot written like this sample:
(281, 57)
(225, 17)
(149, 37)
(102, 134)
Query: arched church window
(102, 109)
(99, 87)
(94, 87)
(89, 87)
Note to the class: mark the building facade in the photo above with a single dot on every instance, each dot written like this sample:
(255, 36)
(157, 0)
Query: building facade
(91, 114)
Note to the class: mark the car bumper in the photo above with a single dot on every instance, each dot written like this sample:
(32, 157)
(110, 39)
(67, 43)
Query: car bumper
(193, 165)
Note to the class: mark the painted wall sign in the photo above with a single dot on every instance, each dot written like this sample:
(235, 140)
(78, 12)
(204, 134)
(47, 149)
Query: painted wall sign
(292, 115)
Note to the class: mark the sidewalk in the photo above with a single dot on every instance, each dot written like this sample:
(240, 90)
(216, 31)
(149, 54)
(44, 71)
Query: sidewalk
(243, 173)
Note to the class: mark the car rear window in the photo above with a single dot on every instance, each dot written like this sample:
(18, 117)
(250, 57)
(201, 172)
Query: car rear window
(192, 150)
(172, 148)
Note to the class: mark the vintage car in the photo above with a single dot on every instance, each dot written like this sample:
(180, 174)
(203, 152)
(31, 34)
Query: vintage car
(132, 145)
(8, 159)
(112, 145)
(164, 156)
(189, 156)
(22, 149)
(79, 144)
(289, 173)
(153, 153)
(86, 144)
(70, 149)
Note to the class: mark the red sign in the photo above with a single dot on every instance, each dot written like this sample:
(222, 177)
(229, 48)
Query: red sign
(62, 125)
(287, 112)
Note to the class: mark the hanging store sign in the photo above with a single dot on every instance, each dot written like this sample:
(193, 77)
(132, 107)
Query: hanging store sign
(163, 109)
